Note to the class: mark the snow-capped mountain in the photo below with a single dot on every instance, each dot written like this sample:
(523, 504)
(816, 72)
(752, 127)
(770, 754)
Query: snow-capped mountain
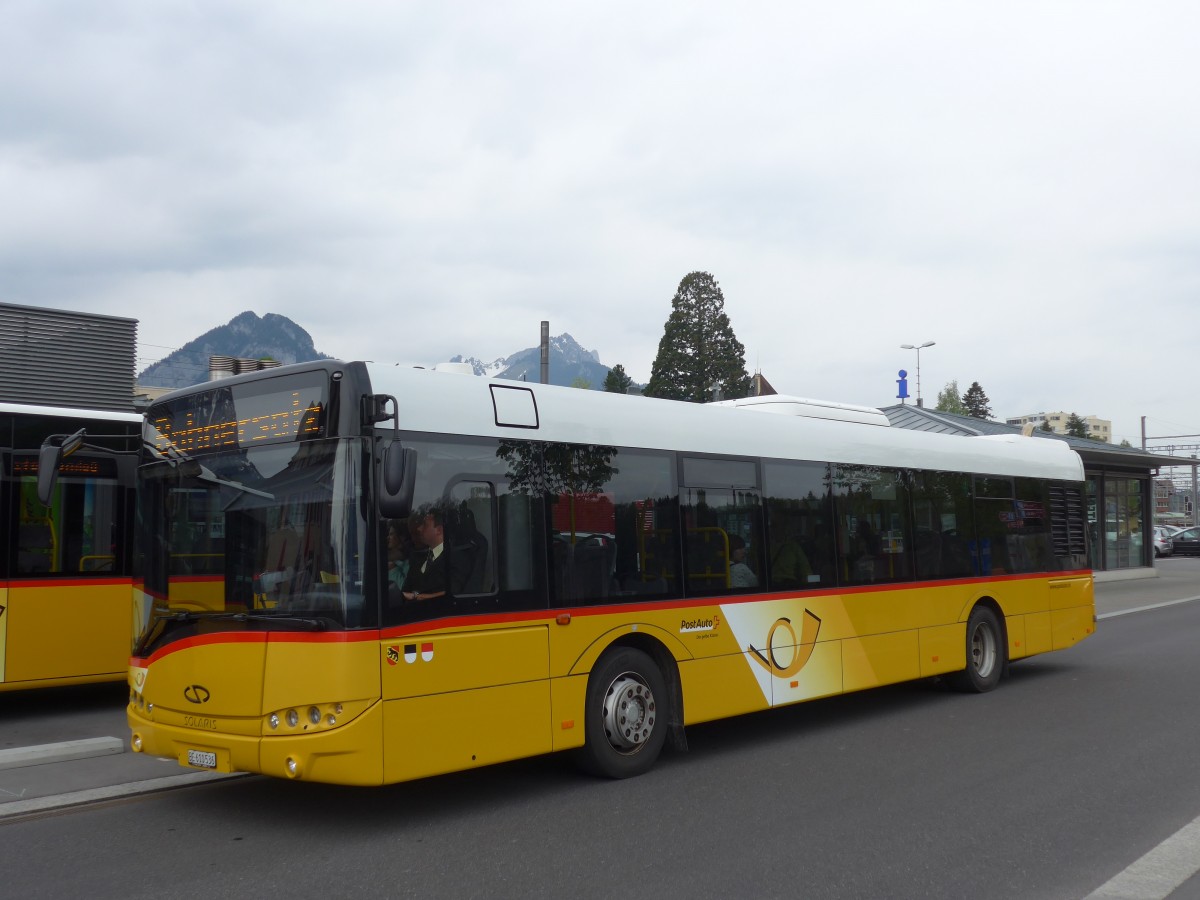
(568, 363)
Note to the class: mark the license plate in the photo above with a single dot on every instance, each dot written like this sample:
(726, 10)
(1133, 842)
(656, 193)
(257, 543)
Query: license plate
(202, 759)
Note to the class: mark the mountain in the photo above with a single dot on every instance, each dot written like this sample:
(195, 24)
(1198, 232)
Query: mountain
(568, 362)
(245, 336)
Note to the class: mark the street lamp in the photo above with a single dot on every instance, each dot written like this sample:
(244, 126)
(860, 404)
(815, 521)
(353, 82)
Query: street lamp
(918, 348)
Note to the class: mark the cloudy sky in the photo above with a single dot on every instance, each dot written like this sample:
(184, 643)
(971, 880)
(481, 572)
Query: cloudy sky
(1018, 182)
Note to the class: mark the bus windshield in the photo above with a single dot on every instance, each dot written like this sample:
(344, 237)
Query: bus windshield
(260, 537)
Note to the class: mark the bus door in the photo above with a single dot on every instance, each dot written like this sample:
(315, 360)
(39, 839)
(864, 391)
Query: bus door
(474, 688)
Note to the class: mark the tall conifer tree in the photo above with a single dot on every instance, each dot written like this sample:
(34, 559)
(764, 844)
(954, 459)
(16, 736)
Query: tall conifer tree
(976, 402)
(617, 381)
(698, 350)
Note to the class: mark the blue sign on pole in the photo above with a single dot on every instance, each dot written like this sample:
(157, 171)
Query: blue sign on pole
(902, 381)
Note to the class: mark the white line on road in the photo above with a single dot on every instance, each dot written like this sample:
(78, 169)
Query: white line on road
(1159, 872)
(1137, 609)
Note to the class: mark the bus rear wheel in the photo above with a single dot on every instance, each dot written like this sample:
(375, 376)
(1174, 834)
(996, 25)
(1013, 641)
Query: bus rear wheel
(625, 722)
(985, 652)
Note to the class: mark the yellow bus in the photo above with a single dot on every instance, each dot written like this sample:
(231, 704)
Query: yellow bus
(586, 572)
(65, 565)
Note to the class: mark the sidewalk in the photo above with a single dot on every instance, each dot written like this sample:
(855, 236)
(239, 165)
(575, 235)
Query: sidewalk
(57, 775)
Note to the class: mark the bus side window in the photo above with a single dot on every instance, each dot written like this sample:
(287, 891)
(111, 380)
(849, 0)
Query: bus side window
(874, 531)
(799, 525)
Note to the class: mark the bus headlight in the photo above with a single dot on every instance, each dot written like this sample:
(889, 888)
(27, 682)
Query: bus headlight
(314, 719)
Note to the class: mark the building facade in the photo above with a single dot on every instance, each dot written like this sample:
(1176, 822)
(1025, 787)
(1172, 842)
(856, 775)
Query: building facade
(1098, 429)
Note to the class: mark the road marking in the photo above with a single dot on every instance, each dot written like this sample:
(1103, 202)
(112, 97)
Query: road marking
(39, 755)
(1157, 874)
(1136, 609)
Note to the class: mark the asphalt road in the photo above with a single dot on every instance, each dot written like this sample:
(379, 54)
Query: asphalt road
(1079, 765)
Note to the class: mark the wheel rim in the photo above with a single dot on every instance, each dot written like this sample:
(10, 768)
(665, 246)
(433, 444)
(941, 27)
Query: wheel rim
(983, 650)
(629, 713)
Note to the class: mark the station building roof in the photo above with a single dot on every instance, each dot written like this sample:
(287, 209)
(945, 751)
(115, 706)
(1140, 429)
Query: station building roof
(1095, 454)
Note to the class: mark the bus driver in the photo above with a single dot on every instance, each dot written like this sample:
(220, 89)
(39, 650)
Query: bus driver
(427, 581)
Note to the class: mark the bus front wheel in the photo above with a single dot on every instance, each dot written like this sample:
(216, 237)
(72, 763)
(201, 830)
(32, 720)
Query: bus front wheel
(625, 722)
(985, 652)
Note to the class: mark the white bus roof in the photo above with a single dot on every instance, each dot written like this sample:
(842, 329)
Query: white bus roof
(782, 404)
(29, 409)
(452, 403)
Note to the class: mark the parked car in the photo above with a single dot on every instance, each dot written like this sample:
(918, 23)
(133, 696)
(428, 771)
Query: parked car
(1164, 544)
(1187, 542)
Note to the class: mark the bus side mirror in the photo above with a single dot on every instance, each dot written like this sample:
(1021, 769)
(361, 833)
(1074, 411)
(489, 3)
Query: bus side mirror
(397, 478)
(49, 457)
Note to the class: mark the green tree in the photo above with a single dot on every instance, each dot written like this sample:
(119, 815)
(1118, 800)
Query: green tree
(581, 383)
(1046, 426)
(698, 351)
(976, 402)
(616, 381)
(1076, 427)
(949, 400)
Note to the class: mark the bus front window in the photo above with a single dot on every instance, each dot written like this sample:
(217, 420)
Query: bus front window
(257, 538)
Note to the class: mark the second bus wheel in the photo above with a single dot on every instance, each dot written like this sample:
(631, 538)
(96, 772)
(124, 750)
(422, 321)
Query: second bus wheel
(625, 722)
(985, 652)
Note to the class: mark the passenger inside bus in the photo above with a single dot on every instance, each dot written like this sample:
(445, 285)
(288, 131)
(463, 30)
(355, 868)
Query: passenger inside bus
(790, 567)
(740, 574)
(427, 576)
(399, 552)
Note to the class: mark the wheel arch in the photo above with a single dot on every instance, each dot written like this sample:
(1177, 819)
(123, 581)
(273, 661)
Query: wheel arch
(663, 649)
(991, 603)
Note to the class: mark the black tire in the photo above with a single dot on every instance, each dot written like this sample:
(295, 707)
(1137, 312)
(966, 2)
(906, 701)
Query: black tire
(986, 653)
(625, 721)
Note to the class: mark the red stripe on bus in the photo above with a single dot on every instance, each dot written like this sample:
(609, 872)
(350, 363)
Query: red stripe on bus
(397, 631)
(67, 581)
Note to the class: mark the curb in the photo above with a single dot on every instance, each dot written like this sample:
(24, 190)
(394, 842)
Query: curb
(95, 795)
(65, 751)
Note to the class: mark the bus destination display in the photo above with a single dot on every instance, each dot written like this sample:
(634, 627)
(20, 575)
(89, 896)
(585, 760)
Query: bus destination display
(246, 417)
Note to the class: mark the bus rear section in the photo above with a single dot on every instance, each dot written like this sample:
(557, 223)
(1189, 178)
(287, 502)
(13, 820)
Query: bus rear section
(64, 564)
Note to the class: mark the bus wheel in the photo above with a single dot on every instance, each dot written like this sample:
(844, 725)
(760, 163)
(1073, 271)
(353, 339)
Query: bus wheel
(625, 722)
(985, 652)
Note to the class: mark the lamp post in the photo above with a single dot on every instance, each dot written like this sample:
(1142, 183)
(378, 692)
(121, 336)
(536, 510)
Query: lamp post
(918, 348)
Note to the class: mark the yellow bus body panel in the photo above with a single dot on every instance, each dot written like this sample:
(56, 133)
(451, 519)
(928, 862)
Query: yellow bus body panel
(60, 633)
(943, 649)
(300, 673)
(880, 659)
(455, 700)
(461, 730)
(466, 694)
